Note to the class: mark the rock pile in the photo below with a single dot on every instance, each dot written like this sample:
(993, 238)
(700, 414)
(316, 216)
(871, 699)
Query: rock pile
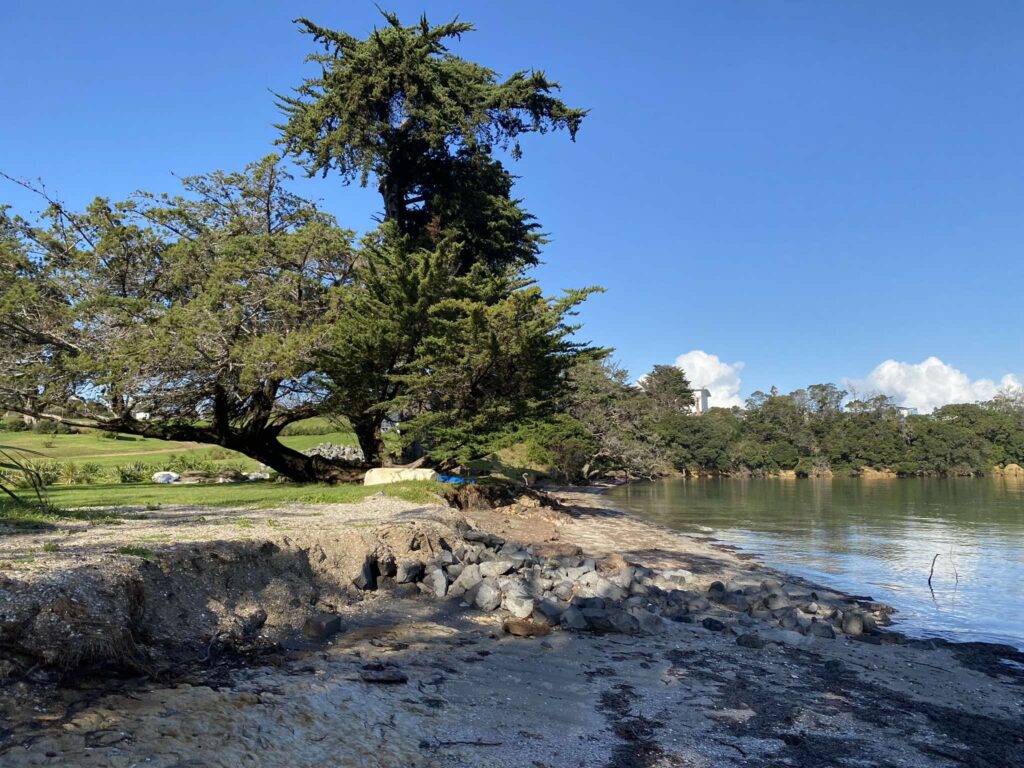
(343, 454)
(579, 594)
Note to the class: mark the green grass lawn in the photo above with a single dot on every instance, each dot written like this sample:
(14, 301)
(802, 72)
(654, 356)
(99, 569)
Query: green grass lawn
(93, 447)
(79, 502)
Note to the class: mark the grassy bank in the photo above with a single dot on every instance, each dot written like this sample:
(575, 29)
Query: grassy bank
(108, 503)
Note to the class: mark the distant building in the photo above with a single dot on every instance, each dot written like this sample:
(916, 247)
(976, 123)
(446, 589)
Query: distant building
(905, 411)
(700, 400)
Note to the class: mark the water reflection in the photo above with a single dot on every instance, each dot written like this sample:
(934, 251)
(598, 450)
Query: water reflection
(875, 537)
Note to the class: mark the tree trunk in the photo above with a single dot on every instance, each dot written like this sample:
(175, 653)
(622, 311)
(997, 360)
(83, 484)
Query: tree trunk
(371, 438)
(293, 464)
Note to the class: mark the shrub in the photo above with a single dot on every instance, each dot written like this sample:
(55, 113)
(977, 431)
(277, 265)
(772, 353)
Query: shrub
(187, 462)
(13, 424)
(71, 473)
(47, 427)
(135, 472)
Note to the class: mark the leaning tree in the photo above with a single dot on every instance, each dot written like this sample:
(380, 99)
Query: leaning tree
(443, 277)
(194, 317)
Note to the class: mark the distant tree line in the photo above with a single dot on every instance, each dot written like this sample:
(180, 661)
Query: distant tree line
(609, 425)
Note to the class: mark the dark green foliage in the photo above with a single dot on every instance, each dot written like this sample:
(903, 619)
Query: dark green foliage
(811, 432)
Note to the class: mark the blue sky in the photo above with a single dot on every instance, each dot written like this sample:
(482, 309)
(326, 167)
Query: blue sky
(807, 188)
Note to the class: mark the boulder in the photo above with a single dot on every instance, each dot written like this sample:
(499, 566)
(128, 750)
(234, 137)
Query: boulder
(488, 595)
(750, 640)
(713, 625)
(386, 475)
(573, 619)
(322, 626)
(518, 605)
(408, 570)
(165, 478)
(495, 568)
(436, 583)
(468, 579)
(853, 624)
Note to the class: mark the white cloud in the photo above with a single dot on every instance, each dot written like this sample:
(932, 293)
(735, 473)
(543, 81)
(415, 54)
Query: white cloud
(930, 384)
(722, 380)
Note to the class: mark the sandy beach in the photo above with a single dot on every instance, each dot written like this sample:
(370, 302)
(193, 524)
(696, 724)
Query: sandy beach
(413, 679)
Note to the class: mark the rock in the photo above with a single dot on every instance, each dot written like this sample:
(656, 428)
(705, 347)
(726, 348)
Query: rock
(573, 619)
(520, 627)
(495, 568)
(771, 585)
(387, 475)
(575, 574)
(750, 640)
(408, 570)
(488, 595)
(649, 623)
(821, 629)
(563, 590)
(853, 624)
(469, 578)
(255, 476)
(716, 588)
(622, 577)
(454, 570)
(671, 579)
(592, 584)
(810, 608)
(789, 621)
(487, 539)
(547, 612)
(437, 582)
(367, 577)
(712, 624)
(518, 605)
(776, 600)
(344, 454)
(322, 626)
(165, 478)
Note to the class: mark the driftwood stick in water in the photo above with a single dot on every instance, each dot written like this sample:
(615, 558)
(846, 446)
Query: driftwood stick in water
(932, 571)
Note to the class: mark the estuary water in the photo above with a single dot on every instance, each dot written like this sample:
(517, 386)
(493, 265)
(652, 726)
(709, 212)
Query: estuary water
(872, 537)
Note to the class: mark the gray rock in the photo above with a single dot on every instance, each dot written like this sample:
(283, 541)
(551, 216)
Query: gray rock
(853, 624)
(575, 574)
(437, 583)
(750, 640)
(468, 579)
(408, 570)
(518, 606)
(322, 626)
(624, 622)
(771, 585)
(622, 577)
(599, 619)
(716, 588)
(573, 618)
(367, 577)
(776, 600)
(547, 612)
(488, 595)
(811, 608)
(495, 568)
(592, 584)
(671, 579)
(713, 625)
(650, 623)
(563, 590)
(454, 570)
(821, 629)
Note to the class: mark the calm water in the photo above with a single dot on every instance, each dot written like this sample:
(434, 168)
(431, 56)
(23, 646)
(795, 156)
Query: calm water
(873, 537)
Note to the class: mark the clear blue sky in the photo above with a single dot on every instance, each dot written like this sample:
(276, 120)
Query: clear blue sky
(807, 187)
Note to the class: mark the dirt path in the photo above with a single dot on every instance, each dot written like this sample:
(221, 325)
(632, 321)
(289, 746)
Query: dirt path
(465, 694)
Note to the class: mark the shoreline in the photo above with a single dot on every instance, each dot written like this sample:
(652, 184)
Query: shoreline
(467, 693)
